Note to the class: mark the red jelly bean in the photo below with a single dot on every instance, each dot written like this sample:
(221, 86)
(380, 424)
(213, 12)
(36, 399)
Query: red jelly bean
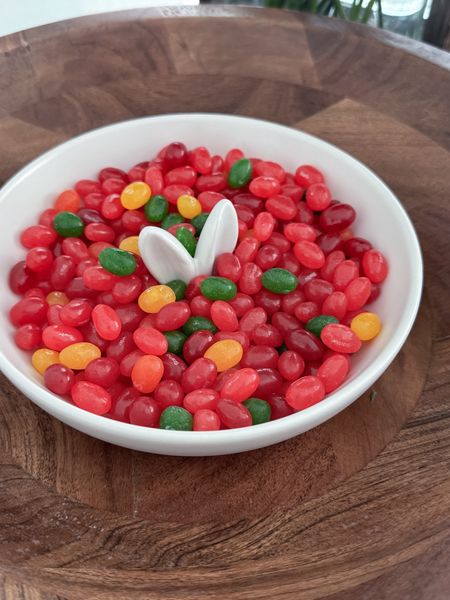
(281, 207)
(87, 186)
(121, 404)
(291, 365)
(267, 168)
(144, 411)
(317, 290)
(169, 393)
(127, 363)
(355, 247)
(345, 272)
(285, 323)
(340, 338)
(233, 415)
(200, 160)
(270, 381)
(240, 385)
(174, 155)
(246, 215)
(267, 335)
(91, 397)
(76, 312)
(258, 357)
(246, 250)
(318, 196)
(28, 337)
(330, 242)
(305, 343)
(196, 345)
(305, 392)
(296, 232)
(252, 318)
(264, 187)
(38, 235)
(121, 346)
(39, 259)
(205, 398)
(268, 257)
(279, 241)
(62, 272)
(205, 420)
(307, 175)
(244, 199)
(184, 175)
(126, 289)
(228, 265)
(134, 220)
(358, 292)
(174, 366)
(337, 217)
(224, 316)
(374, 266)
(309, 254)
(102, 371)
(215, 182)
(97, 278)
(28, 310)
(112, 173)
(335, 305)
(94, 200)
(59, 379)
(54, 314)
(304, 311)
(90, 335)
(57, 337)
(154, 178)
(201, 306)
(111, 207)
(331, 262)
(106, 322)
(150, 341)
(130, 316)
(21, 279)
(242, 303)
(290, 301)
(201, 373)
(208, 200)
(250, 280)
(172, 316)
(333, 371)
(263, 226)
(279, 407)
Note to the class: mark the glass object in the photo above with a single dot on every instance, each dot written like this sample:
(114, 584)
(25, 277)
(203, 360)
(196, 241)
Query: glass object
(404, 17)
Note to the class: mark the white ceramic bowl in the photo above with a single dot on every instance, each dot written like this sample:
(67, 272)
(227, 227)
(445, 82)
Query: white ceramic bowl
(380, 218)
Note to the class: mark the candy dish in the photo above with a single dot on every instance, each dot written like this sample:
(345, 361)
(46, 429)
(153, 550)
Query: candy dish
(380, 217)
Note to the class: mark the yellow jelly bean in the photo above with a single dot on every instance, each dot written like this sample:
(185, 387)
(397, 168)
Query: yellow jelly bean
(130, 244)
(225, 354)
(155, 297)
(188, 206)
(43, 358)
(366, 325)
(78, 356)
(135, 195)
(57, 298)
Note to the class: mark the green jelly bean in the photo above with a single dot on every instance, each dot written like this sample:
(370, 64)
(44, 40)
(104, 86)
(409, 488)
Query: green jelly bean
(259, 409)
(188, 240)
(176, 341)
(156, 209)
(199, 222)
(171, 219)
(240, 173)
(279, 281)
(179, 287)
(194, 324)
(176, 417)
(68, 224)
(119, 262)
(316, 324)
(218, 288)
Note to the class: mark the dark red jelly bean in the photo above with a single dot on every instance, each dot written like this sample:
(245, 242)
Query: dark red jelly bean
(337, 217)
(291, 365)
(201, 373)
(28, 337)
(102, 371)
(28, 310)
(169, 393)
(196, 345)
(59, 379)
(305, 343)
(174, 366)
(233, 415)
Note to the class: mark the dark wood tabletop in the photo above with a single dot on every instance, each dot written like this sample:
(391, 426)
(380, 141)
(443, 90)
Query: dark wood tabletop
(358, 508)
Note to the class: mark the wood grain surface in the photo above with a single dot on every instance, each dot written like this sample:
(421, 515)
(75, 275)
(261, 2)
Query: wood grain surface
(358, 508)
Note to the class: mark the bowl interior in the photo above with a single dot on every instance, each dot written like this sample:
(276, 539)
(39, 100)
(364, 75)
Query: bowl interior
(380, 218)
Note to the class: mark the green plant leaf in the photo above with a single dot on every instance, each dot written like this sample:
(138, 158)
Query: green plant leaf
(368, 12)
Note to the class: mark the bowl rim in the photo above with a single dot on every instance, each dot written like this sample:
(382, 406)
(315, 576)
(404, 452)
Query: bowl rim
(310, 417)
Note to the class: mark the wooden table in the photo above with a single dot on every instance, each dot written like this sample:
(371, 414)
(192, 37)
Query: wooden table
(356, 509)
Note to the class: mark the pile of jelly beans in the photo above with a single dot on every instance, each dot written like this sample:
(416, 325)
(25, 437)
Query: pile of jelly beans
(271, 332)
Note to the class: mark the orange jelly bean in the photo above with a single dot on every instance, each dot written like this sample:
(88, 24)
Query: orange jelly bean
(155, 297)
(57, 298)
(147, 373)
(43, 358)
(225, 354)
(77, 356)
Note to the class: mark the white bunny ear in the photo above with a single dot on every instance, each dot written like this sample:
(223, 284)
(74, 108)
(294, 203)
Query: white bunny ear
(219, 235)
(164, 256)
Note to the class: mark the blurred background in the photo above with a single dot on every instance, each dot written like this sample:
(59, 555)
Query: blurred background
(427, 20)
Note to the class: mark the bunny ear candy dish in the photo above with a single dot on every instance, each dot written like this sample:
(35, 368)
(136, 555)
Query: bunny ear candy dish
(167, 259)
(203, 292)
